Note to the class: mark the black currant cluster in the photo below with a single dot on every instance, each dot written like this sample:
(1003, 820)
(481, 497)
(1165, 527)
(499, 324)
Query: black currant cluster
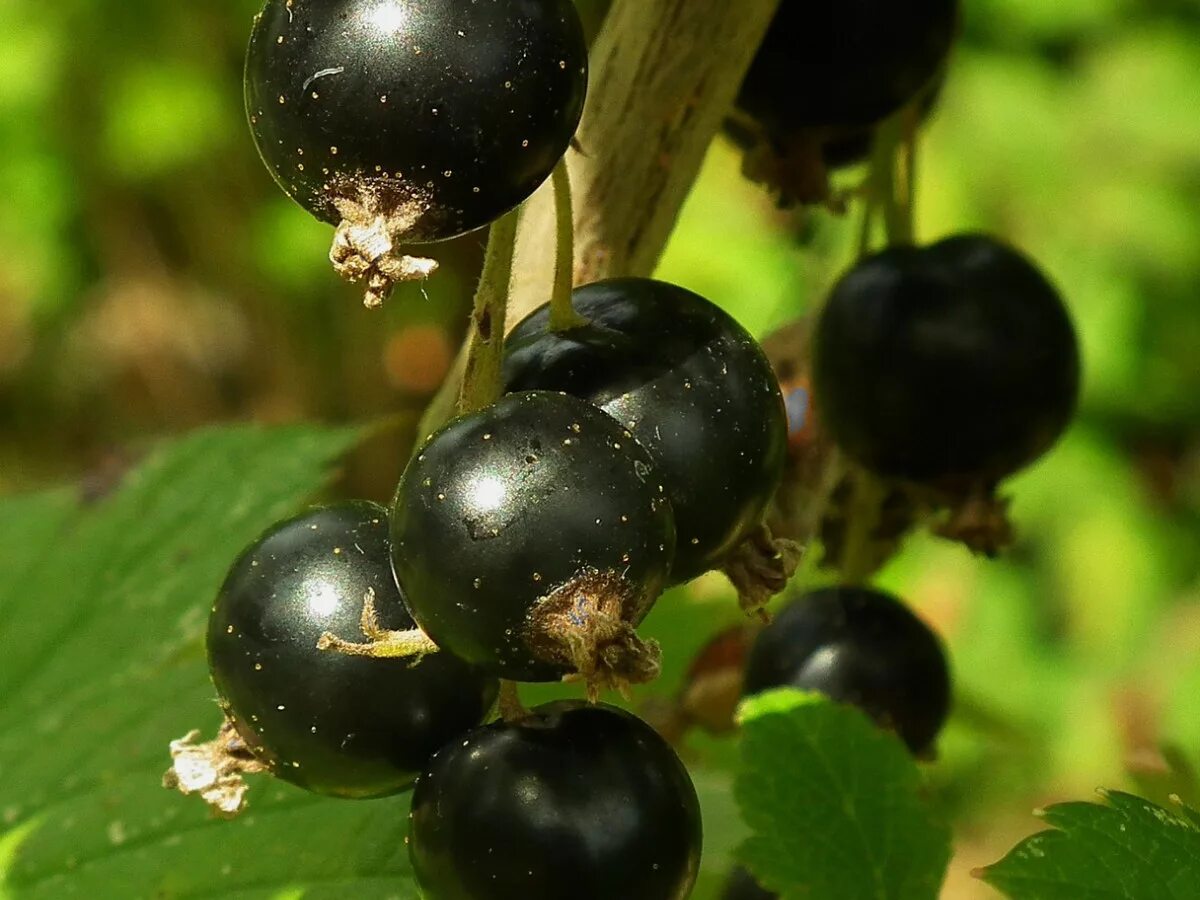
(355, 648)
(358, 650)
(928, 376)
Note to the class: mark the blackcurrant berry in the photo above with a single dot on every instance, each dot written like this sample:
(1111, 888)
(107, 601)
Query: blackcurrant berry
(690, 383)
(572, 802)
(952, 365)
(531, 538)
(412, 122)
(826, 76)
(330, 723)
(846, 63)
(861, 647)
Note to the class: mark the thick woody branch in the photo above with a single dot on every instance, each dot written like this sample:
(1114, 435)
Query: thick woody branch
(663, 76)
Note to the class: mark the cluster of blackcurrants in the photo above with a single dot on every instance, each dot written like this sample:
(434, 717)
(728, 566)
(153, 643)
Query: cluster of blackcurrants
(358, 649)
(527, 541)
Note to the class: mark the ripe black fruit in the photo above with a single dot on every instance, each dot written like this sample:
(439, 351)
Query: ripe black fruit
(330, 723)
(573, 802)
(861, 647)
(440, 114)
(953, 365)
(846, 63)
(690, 383)
(531, 537)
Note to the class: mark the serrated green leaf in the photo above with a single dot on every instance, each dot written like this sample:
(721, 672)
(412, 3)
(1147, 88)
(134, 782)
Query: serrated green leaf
(1125, 849)
(835, 803)
(103, 664)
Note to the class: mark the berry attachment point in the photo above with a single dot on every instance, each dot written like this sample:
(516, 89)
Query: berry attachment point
(213, 769)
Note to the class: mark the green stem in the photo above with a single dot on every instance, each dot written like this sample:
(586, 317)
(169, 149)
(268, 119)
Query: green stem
(885, 187)
(563, 316)
(862, 518)
(481, 384)
(890, 189)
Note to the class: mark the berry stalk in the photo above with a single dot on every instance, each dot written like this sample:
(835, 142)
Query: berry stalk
(891, 186)
(481, 384)
(563, 316)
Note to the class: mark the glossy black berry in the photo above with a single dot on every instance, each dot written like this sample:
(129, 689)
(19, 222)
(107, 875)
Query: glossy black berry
(846, 63)
(330, 723)
(951, 365)
(573, 802)
(690, 383)
(531, 537)
(861, 647)
(441, 113)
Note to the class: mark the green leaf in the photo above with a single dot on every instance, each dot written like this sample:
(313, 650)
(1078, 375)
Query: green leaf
(1125, 849)
(835, 803)
(102, 610)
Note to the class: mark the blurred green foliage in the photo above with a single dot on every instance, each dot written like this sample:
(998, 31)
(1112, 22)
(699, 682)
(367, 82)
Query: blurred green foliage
(153, 279)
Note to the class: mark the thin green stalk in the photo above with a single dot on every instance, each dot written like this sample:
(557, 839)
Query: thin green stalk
(885, 186)
(563, 316)
(862, 518)
(481, 384)
(890, 190)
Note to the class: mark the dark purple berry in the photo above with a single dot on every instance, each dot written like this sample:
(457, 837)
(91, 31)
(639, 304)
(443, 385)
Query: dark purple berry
(333, 724)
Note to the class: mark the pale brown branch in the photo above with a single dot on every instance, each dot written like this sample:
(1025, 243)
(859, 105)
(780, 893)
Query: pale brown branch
(664, 74)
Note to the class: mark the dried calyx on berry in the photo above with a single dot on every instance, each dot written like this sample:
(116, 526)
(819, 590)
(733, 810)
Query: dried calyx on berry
(825, 77)
(331, 723)
(532, 537)
(948, 367)
(410, 123)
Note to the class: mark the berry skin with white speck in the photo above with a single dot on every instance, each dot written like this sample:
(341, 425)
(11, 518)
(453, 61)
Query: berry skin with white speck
(439, 115)
(693, 387)
(330, 723)
(532, 537)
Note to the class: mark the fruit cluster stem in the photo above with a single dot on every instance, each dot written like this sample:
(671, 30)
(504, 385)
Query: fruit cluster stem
(481, 384)
(563, 316)
(664, 76)
(862, 518)
(891, 187)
